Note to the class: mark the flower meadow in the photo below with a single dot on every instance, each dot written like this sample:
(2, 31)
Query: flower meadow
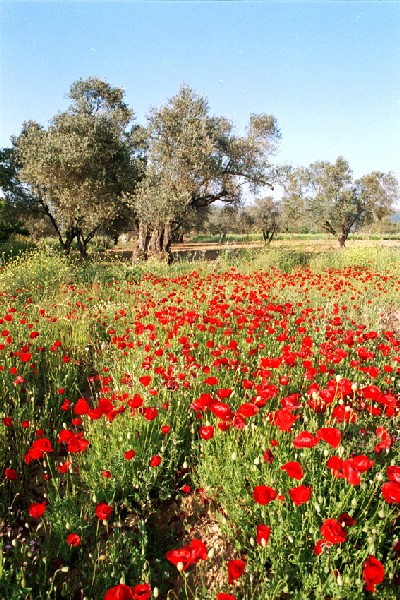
(213, 431)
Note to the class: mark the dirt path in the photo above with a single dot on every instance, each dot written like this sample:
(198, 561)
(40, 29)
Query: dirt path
(211, 251)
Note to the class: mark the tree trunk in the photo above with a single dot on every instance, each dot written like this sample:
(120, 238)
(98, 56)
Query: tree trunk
(70, 234)
(343, 236)
(268, 235)
(82, 245)
(142, 244)
(160, 243)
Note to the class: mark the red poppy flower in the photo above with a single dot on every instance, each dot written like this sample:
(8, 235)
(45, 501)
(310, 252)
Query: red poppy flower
(10, 474)
(263, 533)
(222, 411)
(333, 532)
(77, 444)
(320, 546)
(235, 569)
(211, 381)
(149, 413)
(293, 469)
(119, 592)
(351, 474)
(247, 410)
(305, 440)
(142, 591)
(391, 492)
(346, 519)
(43, 444)
(300, 494)
(73, 539)
(64, 467)
(81, 407)
(283, 419)
(129, 454)
(103, 511)
(145, 380)
(206, 432)
(224, 393)
(180, 557)
(268, 456)
(198, 551)
(373, 573)
(155, 461)
(330, 435)
(36, 509)
(362, 463)
(393, 473)
(222, 596)
(263, 494)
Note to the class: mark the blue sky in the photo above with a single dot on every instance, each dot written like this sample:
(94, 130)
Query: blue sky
(328, 71)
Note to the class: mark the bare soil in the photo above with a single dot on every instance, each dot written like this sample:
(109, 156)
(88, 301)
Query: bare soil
(211, 251)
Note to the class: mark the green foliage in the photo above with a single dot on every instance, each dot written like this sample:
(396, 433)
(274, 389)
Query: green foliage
(9, 229)
(325, 193)
(195, 159)
(78, 168)
(267, 217)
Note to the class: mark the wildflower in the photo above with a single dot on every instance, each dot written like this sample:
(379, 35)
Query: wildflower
(300, 494)
(391, 492)
(263, 533)
(333, 532)
(206, 432)
(10, 474)
(103, 511)
(155, 461)
(305, 440)
(73, 539)
(235, 569)
(119, 592)
(263, 494)
(373, 573)
(293, 469)
(36, 509)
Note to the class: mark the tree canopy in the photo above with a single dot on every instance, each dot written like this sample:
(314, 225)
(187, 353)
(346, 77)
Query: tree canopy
(326, 193)
(194, 159)
(93, 170)
(78, 168)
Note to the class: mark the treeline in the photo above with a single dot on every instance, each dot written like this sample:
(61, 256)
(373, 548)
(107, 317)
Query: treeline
(95, 171)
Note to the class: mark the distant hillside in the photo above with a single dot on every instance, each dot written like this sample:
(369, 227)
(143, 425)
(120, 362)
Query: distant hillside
(396, 217)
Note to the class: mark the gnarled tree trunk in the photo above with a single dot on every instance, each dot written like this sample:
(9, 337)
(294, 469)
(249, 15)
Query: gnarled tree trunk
(142, 244)
(160, 243)
(153, 243)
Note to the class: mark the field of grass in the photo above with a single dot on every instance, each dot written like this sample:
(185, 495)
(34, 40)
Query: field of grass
(222, 430)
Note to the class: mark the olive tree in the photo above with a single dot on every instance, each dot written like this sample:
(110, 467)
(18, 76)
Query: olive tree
(79, 167)
(266, 217)
(326, 194)
(193, 160)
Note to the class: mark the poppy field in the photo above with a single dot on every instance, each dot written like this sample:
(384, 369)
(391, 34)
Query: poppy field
(224, 431)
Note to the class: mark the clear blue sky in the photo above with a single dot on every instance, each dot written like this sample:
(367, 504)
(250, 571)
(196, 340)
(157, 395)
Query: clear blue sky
(328, 71)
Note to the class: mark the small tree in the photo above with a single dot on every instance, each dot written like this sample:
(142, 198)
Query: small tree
(223, 220)
(193, 160)
(78, 168)
(267, 217)
(326, 194)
